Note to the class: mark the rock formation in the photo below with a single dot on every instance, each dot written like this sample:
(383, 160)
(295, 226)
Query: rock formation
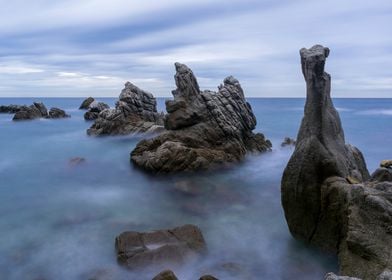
(137, 250)
(135, 112)
(166, 275)
(205, 129)
(86, 103)
(35, 111)
(56, 113)
(94, 109)
(10, 109)
(326, 193)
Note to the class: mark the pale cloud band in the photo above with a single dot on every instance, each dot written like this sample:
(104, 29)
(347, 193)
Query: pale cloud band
(91, 47)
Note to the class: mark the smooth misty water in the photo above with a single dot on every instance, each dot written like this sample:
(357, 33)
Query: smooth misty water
(59, 221)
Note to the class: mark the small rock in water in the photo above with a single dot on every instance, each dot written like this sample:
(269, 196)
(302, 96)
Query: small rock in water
(386, 163)
(208, 277)
(57, 113)
(86, 103)
(165, 275)
(288, 142)
(76, 161)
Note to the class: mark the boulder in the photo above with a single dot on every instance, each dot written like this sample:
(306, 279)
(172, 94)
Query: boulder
(135, 112)
(204, 129)
(327, 196)
(160, 248)
(42, 108)
(56, 113)
(208, 277)
(94, 109)
(165, 275)
(27, 113)
(86, 103)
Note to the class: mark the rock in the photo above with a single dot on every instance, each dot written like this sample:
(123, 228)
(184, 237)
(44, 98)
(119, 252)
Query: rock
(160, 248)
(386, 275)
(90, 116)
(135, 112)
(165, 275)
(327, 196)
(382, 174)
(208, 277)
(42, 108)
(27, 113)
(56, 113)
(386, 163)
(95, 108)
(86, 103)
(332, 276)
(10, 109)
(205, 129)
(288, 142)
(76, 161)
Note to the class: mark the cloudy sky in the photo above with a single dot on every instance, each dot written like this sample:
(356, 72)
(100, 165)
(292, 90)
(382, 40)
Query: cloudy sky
(92, 47)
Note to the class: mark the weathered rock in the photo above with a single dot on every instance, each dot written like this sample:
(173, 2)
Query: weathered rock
(94, 109)
(332, 276)
(56, 113)
(135, 112)
(27, 113)
(42, 108)
(382, 174)
(159, 248)
(11, 109)
(166, 275)
(208, 277)
(86, 103)
(288, 142)
(327, 197)
(205, 129)
(90, 116)
(386, 163)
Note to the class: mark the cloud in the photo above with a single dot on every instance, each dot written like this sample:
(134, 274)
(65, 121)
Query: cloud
(94, 46)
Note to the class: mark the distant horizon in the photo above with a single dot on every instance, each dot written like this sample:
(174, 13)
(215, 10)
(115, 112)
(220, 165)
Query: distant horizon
(60, 49)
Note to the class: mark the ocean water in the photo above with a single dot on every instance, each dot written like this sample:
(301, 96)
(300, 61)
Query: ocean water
(59, 221)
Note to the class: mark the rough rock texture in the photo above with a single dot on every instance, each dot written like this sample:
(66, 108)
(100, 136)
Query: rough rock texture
(135, 112)
(326, 193)
(166, 275)
(42, 108)
(10, 109)
(205, 129)
(86, 103)
(56, 113)
(94, 109)
(159, 248)
(332, 276)
(387, 163)
(208, 277)
(27, 113)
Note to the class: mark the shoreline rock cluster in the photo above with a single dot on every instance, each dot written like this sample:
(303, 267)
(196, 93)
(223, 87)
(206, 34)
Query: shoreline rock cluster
(135, 112)
(204, 129)
(35, 111)
(93, 108)
(328, 196)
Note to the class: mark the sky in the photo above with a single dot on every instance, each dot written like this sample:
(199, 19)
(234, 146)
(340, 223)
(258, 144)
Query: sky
(78, 48)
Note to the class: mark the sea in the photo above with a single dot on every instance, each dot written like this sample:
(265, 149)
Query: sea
(59, 220)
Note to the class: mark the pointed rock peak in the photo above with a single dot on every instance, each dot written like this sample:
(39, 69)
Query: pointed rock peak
(186, 82)
(231, 81)
(313, 61)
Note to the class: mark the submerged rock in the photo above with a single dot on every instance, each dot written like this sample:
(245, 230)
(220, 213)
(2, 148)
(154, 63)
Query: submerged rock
(327, 198)
(57, 113)
(86, 103)
(166, 275)
(205, 129)
(135, 112)
(159, 248)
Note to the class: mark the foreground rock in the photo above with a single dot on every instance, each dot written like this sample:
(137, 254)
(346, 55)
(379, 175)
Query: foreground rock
(162, 248)
(86, 103)
(326, 193)
(135, 112)
(205, 129)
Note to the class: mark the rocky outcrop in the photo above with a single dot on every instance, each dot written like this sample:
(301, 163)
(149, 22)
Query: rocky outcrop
(135, 112)
(10, 109)
(327, 196)
(159, 248)
(86, 103)
(36, 111)
(94, 109)
(166, 275)
(205, 129)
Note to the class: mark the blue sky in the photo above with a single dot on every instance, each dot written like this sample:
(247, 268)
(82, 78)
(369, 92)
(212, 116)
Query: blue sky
(92, 47)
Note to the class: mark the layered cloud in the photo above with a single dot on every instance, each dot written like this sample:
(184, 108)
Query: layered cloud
(91, 47)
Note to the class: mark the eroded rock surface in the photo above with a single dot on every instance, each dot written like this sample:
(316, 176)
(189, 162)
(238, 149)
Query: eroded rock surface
(327, 195)
(86, 103)
(94, 109)
(135, 112)
(205, 129)
(160, 248)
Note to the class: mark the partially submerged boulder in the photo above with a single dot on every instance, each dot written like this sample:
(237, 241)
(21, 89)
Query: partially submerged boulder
(27, 113)
(137, 250)
(326, 193)
(86, 103)
(205, 129)
(166, 275)
(36, 111)
(57, 113)
(135, 112)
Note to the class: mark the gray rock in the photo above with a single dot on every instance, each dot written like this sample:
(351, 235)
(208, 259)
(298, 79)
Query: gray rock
(288, 142)
(387, 163)
(135, 112)
(42, 108)
(160, 248)
(166, 275)
(382, 174)
(56, 113)
(327, 197)
(27, 113)
(94, 109)
(86, 103)
(208, 277)
(10, 109)
(90, 116)
(205, 129)
(332, 276)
